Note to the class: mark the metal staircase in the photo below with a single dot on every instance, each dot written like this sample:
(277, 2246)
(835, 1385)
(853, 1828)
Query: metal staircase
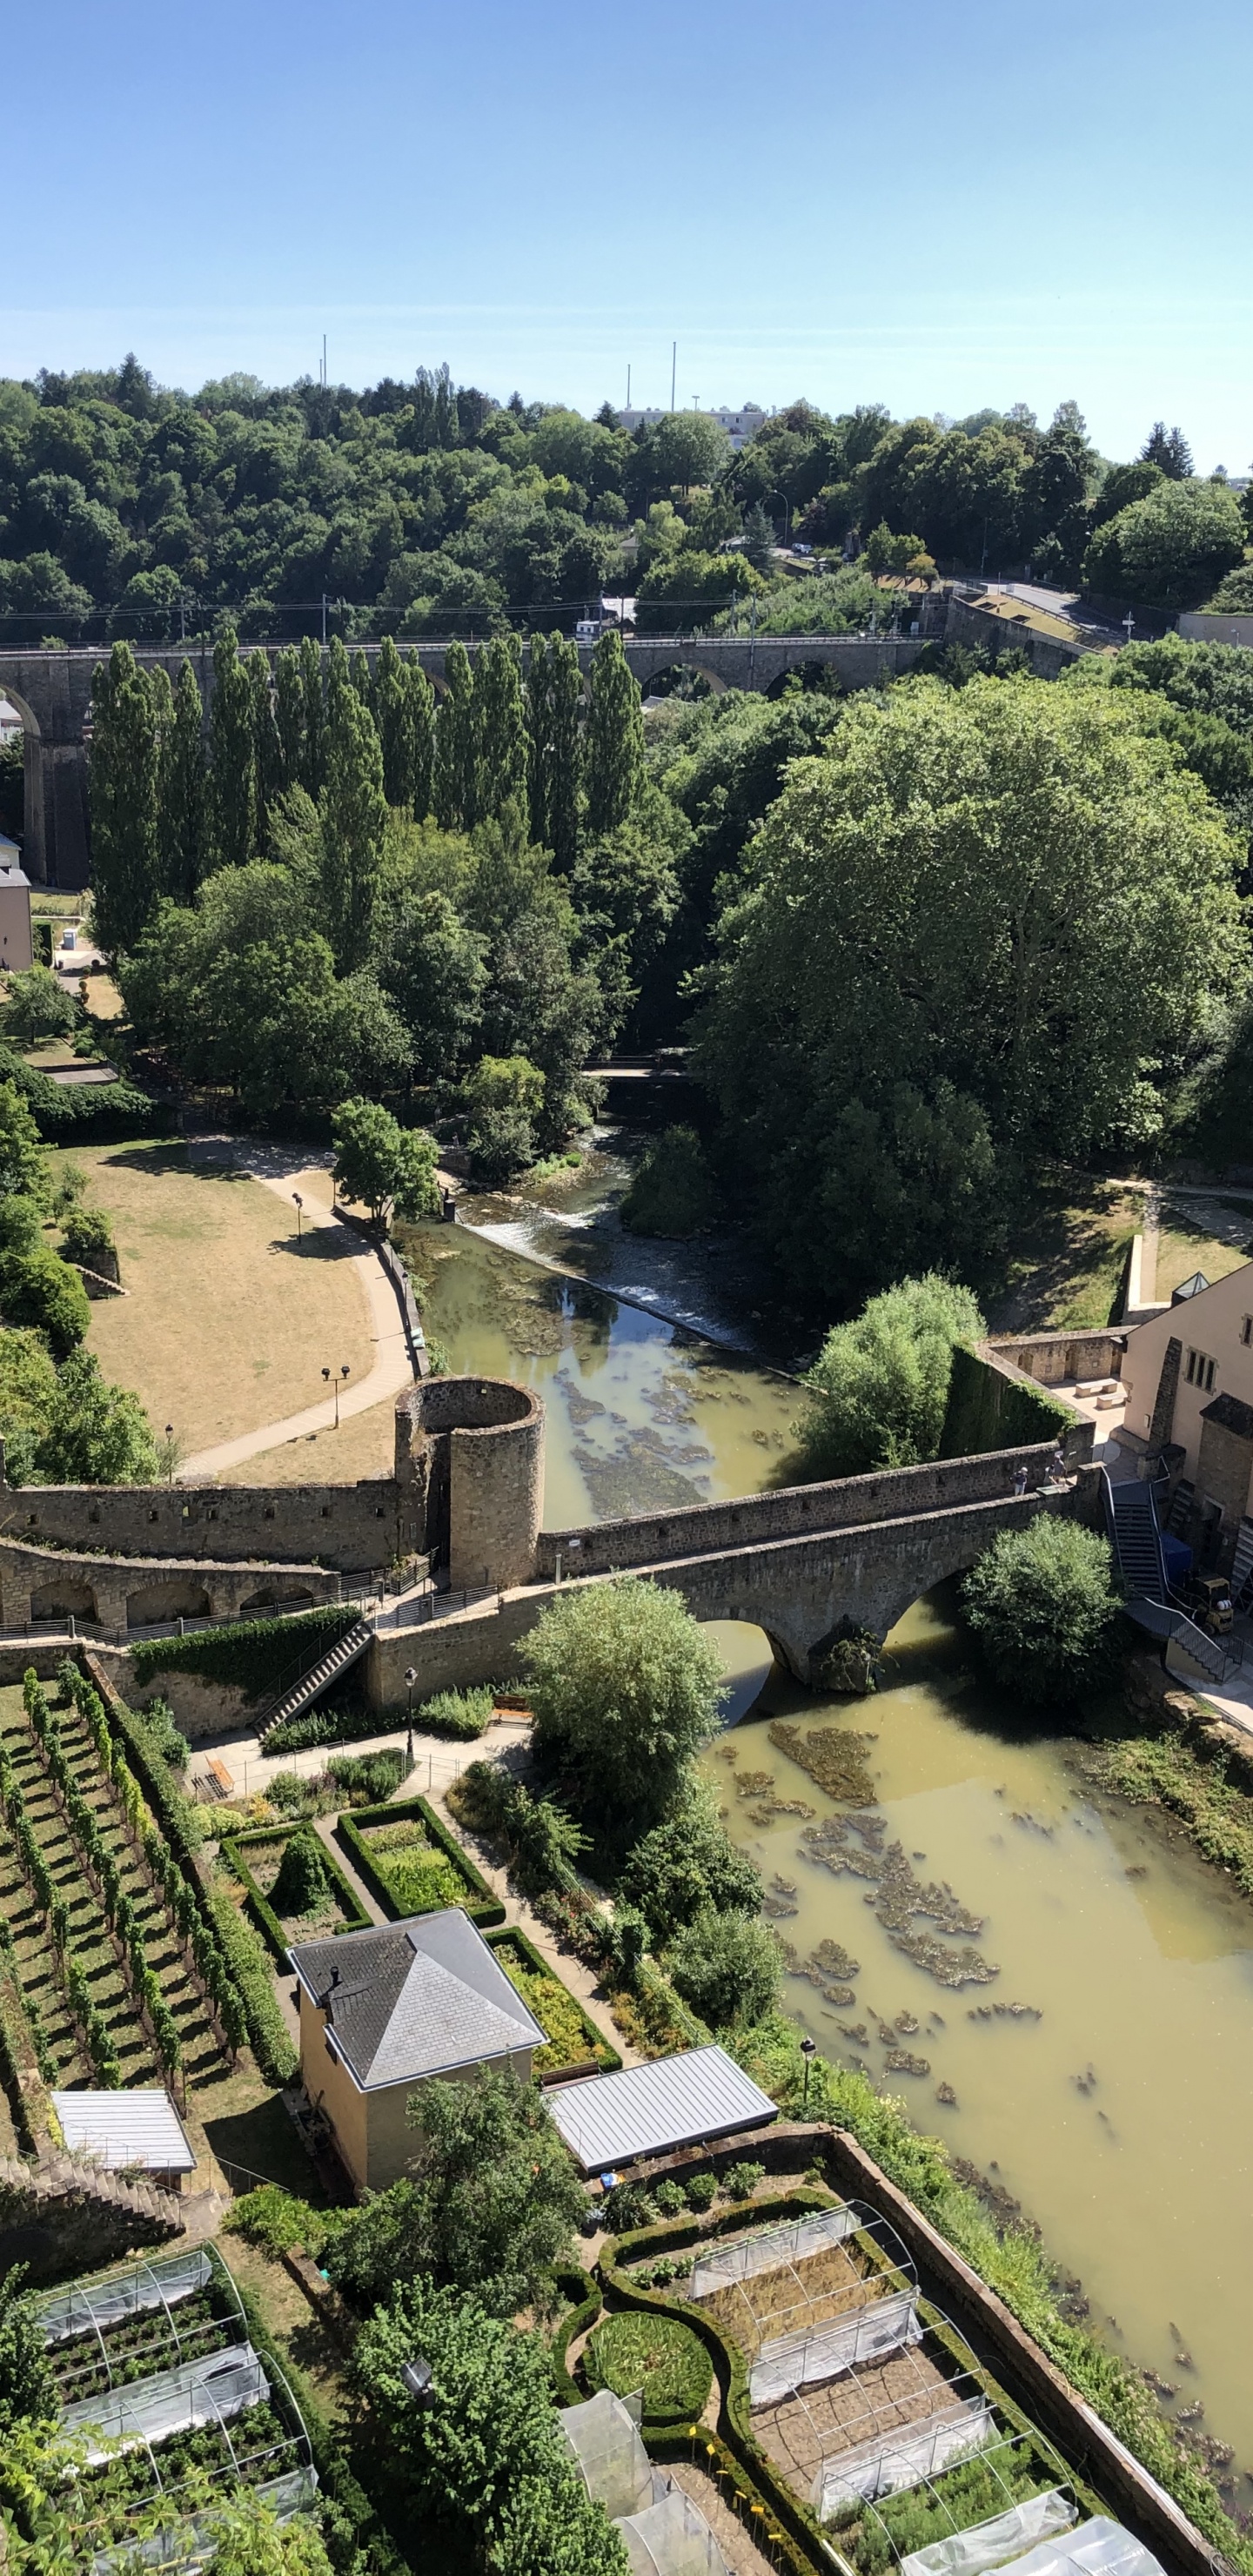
(346, 1651)
(1136, 1539)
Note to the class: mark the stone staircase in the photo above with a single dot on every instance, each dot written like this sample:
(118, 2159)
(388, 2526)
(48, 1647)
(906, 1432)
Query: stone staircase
(346, 1651)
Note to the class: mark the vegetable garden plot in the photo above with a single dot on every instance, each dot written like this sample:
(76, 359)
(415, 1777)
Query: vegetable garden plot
(816, 2352)
(843, 2437)
(172, 2401)
(173, 2551)
(978, 2514)
(253, 2447)
(112, 2333)
(783, 2284)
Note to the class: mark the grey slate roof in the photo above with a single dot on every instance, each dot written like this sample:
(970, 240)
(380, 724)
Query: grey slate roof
(414, 1998)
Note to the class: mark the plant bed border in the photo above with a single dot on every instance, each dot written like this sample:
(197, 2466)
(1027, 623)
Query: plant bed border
(233, 1847)
(511, 1935)
(483, 1907)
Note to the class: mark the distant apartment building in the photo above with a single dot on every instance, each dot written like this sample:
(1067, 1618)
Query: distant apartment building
(739, 425)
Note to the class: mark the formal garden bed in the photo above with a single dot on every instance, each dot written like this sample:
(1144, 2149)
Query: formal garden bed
(412, 1864)
(293, 1886)
(574, 2041)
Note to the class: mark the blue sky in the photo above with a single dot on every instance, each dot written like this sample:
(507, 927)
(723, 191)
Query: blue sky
(932, 203)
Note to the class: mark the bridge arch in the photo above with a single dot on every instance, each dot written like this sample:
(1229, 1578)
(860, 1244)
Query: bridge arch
(749, 1657)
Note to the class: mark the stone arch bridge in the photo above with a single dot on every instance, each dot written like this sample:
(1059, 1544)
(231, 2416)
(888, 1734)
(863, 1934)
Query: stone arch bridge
(52, 693)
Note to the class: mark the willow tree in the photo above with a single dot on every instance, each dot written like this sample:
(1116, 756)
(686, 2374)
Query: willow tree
(614, 741)
(122, 788)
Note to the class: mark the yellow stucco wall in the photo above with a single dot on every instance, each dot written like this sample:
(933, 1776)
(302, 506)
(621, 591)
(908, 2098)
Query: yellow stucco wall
(372, 2130)
(1211, 1324)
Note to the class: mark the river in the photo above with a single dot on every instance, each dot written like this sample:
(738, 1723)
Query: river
(1117, 2107)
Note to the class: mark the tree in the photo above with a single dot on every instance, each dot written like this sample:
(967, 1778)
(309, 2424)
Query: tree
(728, 1967)
(759, 536)
(487, 2454)
(37, 1005)
(383, 1163)
(267, 752)
(94, 1433)
(499, 718)
(625, 1689)
(877, 1393)
(453, 782)
(504, 1096)
(122, 792)
(687, 447)
(354, 821)
(1042, 1604)
(670, 1192)
(435, 971)
(1169, 451)
(182, 823)
(313, 746)
(910, 992)
(491, 2202)
(614, 747)
(28, 1394)
(688, 1867)
(38, 1288)
(1171, 548)
(23, 1162)
(289, 719)
(554, 705)
(404, 712)
(420, 737)
(233, 756)
(249, 2540)
(27, 2387)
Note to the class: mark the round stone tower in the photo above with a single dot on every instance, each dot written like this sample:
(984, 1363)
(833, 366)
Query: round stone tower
(470, 1468)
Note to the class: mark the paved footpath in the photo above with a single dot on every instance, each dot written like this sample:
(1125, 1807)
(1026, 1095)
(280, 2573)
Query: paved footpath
(278, 1168)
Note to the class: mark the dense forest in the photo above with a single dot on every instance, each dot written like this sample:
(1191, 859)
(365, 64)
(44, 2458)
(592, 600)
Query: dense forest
(426, 508)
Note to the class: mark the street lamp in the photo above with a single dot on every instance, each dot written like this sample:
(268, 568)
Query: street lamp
(299, 1202)
(417, 2376)
(327, 1380)
(809, 2050)
(410, 1678)
(169, 1452)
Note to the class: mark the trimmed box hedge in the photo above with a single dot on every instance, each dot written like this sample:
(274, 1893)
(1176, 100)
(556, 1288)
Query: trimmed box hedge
(351, 1831)
(267, 1922)
(600, 2057)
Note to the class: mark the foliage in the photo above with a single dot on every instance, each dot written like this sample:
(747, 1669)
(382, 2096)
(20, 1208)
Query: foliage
(740, 2181)
(542, 1840)
(94, 1433)
(418, 1877)
(460, 1714)
(256, 1654)
(122, 792)
(38, 1289)
(493, 2202)
(87, 1236)
(383, 1163)
(615, 738)
(660, 2355)
(876, 1394)
(504, 1096)
(1042, 1603)
(1170, 548)
(1188, 1780)
(277, 2221)
(670, 1192)
(369, 1778)
(37, 1005)
(911, 1002)
(27, 2387)
(685, 1868)
(250, 2541)
(302, 1883)
(727, 1967)
(486, 2454)
(571, 2038)
(625, 1688)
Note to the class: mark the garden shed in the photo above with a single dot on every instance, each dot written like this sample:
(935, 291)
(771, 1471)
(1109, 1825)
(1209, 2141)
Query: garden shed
(401, 2005)
(128, 2132)
(683, 2101)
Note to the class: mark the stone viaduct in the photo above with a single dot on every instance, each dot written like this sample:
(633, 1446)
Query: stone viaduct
(52, 693)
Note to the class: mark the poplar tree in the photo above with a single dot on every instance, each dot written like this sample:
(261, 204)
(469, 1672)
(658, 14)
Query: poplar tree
(267, 757)
(313, 751)
(454, 743)
(234, 759)
(363, 680)
(392, 718)
(420, 704)
(122, 788)
(289, 718)
(338, 675)
(614, 743)
(183, 792)
(354, 820)
(556, 705)
(500, 743)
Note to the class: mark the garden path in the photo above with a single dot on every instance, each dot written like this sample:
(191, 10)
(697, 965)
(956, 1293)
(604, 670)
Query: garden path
(280, 1168)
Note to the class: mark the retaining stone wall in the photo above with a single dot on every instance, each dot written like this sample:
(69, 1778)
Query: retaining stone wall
(119, 1592)
(348, 1527)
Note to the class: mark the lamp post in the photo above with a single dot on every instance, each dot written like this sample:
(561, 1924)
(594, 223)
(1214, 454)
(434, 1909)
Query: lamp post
(299, 1204)
(417, 2377)
(809, 2050)
(410, 1678)
(169, 1453)
(329, 1379)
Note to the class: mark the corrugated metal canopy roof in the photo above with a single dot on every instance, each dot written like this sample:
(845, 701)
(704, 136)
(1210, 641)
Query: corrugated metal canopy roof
(121, 2129)
(607, 2120)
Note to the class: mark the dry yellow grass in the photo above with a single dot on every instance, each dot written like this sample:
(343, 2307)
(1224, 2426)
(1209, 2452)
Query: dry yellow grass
(227, 1325)
(364, 1445)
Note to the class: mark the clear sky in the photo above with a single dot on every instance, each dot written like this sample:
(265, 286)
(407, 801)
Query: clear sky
(936, 204)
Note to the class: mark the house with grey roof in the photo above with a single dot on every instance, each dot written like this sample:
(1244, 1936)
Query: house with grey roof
(385, 2011)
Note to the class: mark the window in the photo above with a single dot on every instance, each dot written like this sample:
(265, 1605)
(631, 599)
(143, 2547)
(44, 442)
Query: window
(1200, 1371)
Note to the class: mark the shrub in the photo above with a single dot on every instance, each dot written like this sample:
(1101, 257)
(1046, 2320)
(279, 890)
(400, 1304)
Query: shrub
(461, 1714)
(626, 2206)
(288, 1791)
(681, 1868)
(369, 1778)
(625, 1688)
(876, 1394)
(258, 1654)
(702, 2190)
(39, 1288)
(670, 2198)
(277, 2221)
(543, 1842)
(671, 1192)
(659, 2355)
(301, 1885)
(727, 1967)
(741, 2180)
(1041, 1603)
(88, 1237)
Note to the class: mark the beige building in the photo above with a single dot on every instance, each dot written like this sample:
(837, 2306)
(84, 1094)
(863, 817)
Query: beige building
(385, 2011)
(16, 946)
(1189, 1379)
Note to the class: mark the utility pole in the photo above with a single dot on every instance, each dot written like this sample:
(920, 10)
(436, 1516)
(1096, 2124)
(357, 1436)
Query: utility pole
(674, 369)
(1129, 622)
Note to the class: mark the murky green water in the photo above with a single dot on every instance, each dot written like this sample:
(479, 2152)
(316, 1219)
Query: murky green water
(1118, 2108)
(642, 1415)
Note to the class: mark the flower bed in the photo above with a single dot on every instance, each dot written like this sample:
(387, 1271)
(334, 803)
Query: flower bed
(419, 1868)
(255, 1859)
(573, 2037)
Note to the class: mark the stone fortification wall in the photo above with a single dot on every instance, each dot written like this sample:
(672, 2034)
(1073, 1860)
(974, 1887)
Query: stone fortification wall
(470, 1477)
(347, 1527)
(796, 1512)
(49, 1586)
(1052, 1357)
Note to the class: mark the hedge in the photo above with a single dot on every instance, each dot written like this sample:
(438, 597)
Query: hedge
(275, 2053)
(586, 2305)
(68, 1112)
(987, 1410)
(598, 2052)
(257, 1654)
(233, 1847)
(660, 2356)
(483, 1907)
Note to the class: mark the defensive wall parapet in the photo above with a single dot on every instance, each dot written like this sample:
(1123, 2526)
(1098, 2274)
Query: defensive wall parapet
(1053, 1357)
(796, 1511)
(347, 1528)
(470, 1477)
(43, 1586)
